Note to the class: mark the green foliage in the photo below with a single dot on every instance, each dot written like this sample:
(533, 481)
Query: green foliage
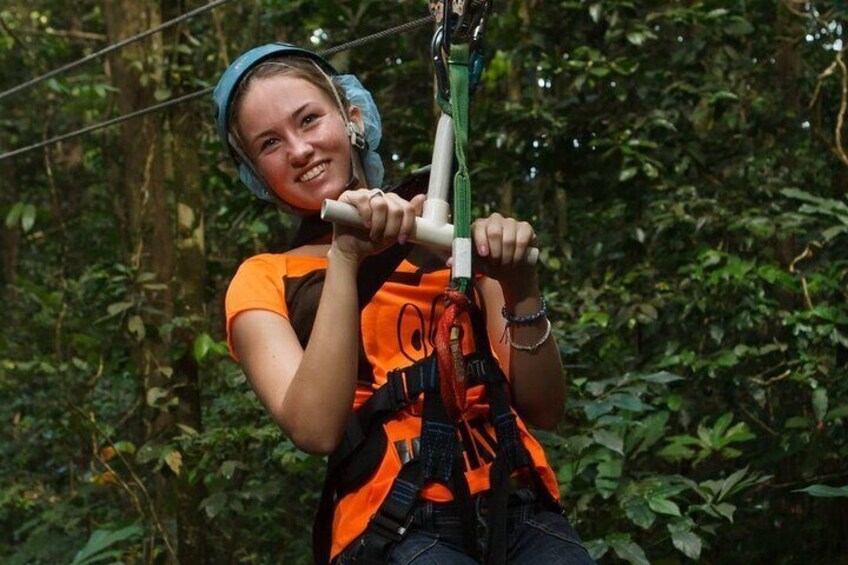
(97, 548)
(824, 491)
(679, 162)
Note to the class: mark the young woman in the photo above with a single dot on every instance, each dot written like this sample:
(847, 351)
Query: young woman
(315, 355)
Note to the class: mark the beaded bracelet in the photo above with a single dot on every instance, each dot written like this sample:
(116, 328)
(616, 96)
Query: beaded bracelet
(512, 319)
(530, 348)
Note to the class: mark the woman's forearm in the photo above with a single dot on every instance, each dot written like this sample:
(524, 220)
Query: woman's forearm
(320, 398)
(537, 380)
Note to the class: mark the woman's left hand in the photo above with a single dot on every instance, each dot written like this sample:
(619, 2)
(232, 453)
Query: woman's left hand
(501, 244)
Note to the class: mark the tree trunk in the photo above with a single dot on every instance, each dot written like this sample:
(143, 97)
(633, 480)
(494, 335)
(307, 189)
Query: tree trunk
(184, 174)
(135, 71)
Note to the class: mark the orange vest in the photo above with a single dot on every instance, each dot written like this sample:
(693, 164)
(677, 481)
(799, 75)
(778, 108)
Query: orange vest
(397, 328)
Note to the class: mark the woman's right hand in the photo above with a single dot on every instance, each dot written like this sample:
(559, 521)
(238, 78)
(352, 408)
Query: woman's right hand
(387, 217)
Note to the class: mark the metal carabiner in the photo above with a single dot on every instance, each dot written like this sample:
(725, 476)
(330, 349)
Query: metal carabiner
(439, 64)
(458, 19)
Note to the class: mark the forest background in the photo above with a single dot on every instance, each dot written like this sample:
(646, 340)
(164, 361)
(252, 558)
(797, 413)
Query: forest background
(682, 161)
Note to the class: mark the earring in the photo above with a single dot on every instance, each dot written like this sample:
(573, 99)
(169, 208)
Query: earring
(357, 139)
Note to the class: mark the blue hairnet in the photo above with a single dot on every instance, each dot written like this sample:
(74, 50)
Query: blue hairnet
(359, 96)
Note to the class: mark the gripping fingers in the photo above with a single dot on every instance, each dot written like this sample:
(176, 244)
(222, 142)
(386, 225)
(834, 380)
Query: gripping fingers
(525, 237)
(494, 237)
(359, 200)
(379, 207)
(394, 216)
(508, 238)
(408, 221)
(478, 229)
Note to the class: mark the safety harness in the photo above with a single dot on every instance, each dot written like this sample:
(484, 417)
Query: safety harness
(440, 458)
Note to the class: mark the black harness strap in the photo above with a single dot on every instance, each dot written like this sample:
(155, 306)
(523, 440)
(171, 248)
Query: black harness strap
(440, 459)
(512, 454)
(390, 523)
(364, 444)
(402, 388)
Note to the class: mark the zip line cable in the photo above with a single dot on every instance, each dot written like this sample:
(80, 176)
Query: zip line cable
(402, 28)
(113, 47)
(107, 123)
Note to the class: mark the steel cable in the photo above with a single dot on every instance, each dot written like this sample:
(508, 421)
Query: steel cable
(402, 28)
(110, 48)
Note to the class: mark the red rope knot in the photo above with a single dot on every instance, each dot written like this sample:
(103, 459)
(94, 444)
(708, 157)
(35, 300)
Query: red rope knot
(451, 376)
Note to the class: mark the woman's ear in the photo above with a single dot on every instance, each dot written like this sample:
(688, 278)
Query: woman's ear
(355, 115)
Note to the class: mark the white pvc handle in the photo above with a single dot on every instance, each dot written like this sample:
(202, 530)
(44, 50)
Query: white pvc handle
(424, 232)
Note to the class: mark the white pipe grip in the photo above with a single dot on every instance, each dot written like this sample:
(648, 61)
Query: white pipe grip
(424, 232)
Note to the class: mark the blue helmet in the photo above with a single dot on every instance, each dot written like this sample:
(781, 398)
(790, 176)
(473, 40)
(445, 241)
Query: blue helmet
(353, 89)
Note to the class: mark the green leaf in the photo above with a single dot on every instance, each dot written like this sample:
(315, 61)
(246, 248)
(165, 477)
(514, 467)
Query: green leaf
(731, 481)
(101, 540)
(203, 343)
(628, 401)
(687, 543)
(174, 460)
(649, 433)
(595, 410)
(674, 402)
(717, 13)
(797, 422)
(27, 217)
(125, 447)
(135, 326)
(738, 26)
(229, 467)
(836, 413)
(595, 11)
(640, 514)
(630, 551)
(834, 231)
(824, 491)
(597, 548)
(609, 440)
(14, 215)
(154, 395)
(565, 475)
(820, 402)
(726, 509)
(676, 452)
(662, 377)
(214, 504)
(117, 307)
(722, 424)
(188, 430)
(610, 469)
(627, 174)
(148, 452)
(664, 506)
(161, 94)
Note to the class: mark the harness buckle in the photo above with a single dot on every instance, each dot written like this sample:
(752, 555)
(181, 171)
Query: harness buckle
(395, 380)
(391, 528)
(484, 369)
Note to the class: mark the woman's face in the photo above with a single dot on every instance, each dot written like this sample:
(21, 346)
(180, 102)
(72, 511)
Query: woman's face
(297, 139)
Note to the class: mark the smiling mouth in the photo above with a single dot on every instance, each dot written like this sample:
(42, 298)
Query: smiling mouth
(313, 172)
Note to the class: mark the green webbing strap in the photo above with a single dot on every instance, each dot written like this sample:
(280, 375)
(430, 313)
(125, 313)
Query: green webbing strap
(462, 182)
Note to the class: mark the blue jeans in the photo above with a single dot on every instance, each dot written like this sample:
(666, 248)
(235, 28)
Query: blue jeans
(534, 536)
